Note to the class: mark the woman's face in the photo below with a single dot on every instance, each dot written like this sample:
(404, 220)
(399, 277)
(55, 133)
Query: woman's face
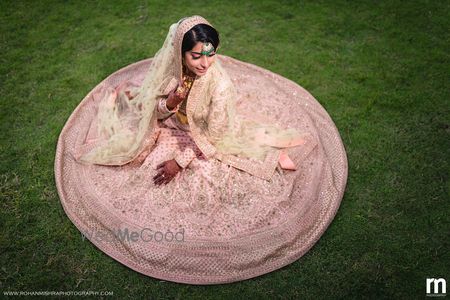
(197, 62)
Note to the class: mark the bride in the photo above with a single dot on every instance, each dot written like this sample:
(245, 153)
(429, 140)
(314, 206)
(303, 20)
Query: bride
(242, 163)
(185, 112)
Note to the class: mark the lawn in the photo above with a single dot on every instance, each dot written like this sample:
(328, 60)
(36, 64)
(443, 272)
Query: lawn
(380, 68)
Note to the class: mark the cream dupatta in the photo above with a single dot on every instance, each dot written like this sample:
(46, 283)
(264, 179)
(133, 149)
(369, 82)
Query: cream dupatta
(129, 126)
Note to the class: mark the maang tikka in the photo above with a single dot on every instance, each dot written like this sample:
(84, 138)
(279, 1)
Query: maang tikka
(207, 48)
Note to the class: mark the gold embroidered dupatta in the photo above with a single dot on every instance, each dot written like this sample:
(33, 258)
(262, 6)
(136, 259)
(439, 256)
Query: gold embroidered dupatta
(220, 133)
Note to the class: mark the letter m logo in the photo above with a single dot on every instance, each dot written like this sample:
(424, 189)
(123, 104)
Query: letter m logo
(439, 287)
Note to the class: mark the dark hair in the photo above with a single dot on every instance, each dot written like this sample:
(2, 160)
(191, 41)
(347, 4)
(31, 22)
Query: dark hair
(199, 33)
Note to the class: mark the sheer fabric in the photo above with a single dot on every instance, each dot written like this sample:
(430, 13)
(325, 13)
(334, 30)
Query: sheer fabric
(129, 127)
(235, 225)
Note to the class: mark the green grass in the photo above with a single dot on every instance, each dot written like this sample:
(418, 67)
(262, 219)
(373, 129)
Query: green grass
(380, 68)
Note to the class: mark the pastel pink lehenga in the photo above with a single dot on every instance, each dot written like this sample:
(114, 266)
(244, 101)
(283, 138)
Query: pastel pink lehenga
(240, 217)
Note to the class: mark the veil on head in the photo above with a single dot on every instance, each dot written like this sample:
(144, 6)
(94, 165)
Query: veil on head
(124, 123)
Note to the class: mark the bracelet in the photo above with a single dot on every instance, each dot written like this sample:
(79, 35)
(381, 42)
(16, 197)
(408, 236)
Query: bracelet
(163, 107)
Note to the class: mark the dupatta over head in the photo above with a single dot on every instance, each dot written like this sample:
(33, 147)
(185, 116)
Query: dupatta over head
(130, 127)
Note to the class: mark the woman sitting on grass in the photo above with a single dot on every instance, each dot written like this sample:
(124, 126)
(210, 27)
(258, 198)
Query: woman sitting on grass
(184, 115)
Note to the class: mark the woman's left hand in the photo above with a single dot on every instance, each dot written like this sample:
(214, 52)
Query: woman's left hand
(166, 172)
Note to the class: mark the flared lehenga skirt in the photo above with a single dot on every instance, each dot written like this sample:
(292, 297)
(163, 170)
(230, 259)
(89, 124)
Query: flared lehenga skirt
(212, 223)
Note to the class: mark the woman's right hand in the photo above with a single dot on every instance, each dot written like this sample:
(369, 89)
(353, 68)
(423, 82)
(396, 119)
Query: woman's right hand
(176, 96)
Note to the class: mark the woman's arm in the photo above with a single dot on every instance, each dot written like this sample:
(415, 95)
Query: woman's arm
(170, 104)
(184, 158)
(216, 121)
(162, 110)
(218, 117)
(168, 100)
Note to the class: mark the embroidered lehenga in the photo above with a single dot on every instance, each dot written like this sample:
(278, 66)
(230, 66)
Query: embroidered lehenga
(241, 215)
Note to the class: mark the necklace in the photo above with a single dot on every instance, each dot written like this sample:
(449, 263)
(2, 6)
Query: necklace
(186, 86)
(187, 81)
